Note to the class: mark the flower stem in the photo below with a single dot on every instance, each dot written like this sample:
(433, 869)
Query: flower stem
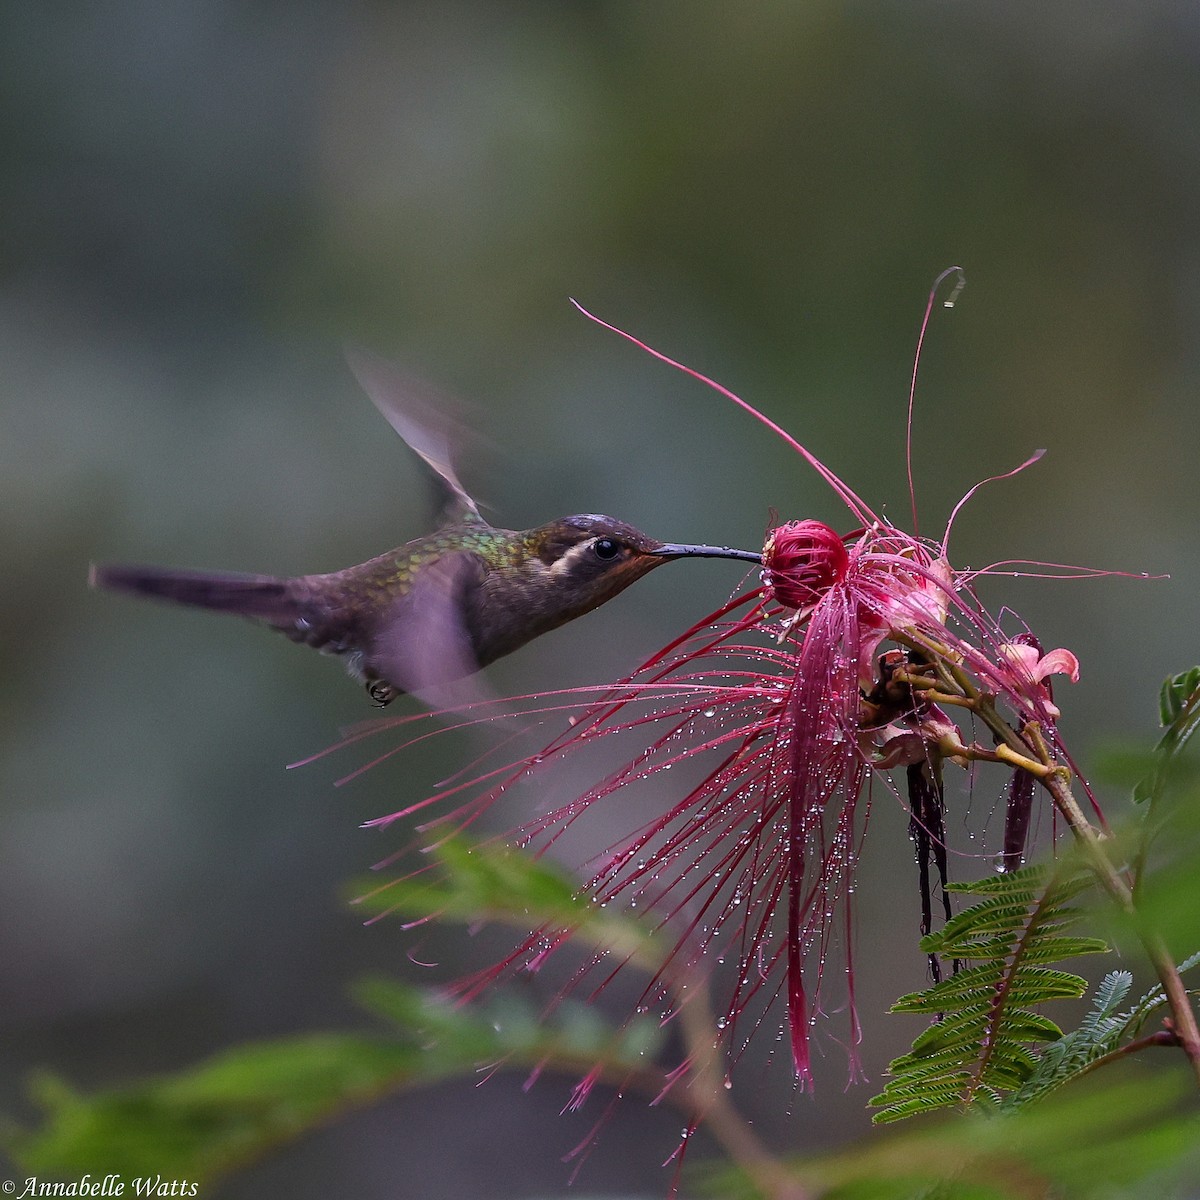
(1113, 882)
(1160, 1037)
(1016, 749)
(716, 1109)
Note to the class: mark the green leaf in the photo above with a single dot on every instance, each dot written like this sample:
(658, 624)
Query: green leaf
(1101, 1032)
(222, 1114)
(1168, 899)
(455, 1035)
(962, 1031)
(979, 1047)
(1090, 1141)
(215, 1117)
(1177, 695)
(207, 1120)
(468, 881)
(1029, 985)
(1179, 715)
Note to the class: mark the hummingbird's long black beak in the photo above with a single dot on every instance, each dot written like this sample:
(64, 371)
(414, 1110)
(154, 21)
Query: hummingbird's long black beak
(680, 550)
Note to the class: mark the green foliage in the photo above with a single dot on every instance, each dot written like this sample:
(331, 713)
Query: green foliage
(1177, 698)
(1163, 842)
(212, 1118)
(1179, 715)
(469, 882)
(978, 1047)
(1101, 1033)
(217, 1116)
(510, 1029)
(1128, 1137)
(988, 1050)
(1098, 1034)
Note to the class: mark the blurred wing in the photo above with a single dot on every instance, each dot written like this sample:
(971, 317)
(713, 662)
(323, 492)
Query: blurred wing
(423, 421)
(424, 646)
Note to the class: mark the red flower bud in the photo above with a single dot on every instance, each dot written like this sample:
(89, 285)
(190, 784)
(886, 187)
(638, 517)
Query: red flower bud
(802, 560)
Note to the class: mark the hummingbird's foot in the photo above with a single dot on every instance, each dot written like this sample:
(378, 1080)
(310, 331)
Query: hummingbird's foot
(381, 692)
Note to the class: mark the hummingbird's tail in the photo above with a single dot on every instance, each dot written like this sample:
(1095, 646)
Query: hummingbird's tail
(259, 597)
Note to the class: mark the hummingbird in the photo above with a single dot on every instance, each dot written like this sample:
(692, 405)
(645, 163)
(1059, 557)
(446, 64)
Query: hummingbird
(437, 609)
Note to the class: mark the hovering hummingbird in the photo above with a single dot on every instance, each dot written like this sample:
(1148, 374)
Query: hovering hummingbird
(443, 606)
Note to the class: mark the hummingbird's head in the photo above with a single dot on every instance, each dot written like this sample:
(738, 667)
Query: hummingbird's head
(593, 557)
(544, 577)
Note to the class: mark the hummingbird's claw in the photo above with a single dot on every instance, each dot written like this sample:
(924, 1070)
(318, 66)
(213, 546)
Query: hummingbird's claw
(381, 692)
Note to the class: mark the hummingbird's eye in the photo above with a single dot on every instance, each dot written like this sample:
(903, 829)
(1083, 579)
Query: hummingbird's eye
(606, 548)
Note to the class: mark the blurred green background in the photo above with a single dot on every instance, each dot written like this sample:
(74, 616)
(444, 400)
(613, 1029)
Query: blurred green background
(202, 200)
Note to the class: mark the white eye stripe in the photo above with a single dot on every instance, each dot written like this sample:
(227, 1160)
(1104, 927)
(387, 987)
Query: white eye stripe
(566, 564)
(584, 550)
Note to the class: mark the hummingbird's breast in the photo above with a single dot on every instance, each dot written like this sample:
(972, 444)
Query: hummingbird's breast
(400, 619)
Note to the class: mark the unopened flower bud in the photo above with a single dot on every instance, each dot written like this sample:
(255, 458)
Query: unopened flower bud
(802, 560)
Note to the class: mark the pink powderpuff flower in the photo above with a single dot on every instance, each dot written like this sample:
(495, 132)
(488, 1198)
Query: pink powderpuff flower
(774, 713)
